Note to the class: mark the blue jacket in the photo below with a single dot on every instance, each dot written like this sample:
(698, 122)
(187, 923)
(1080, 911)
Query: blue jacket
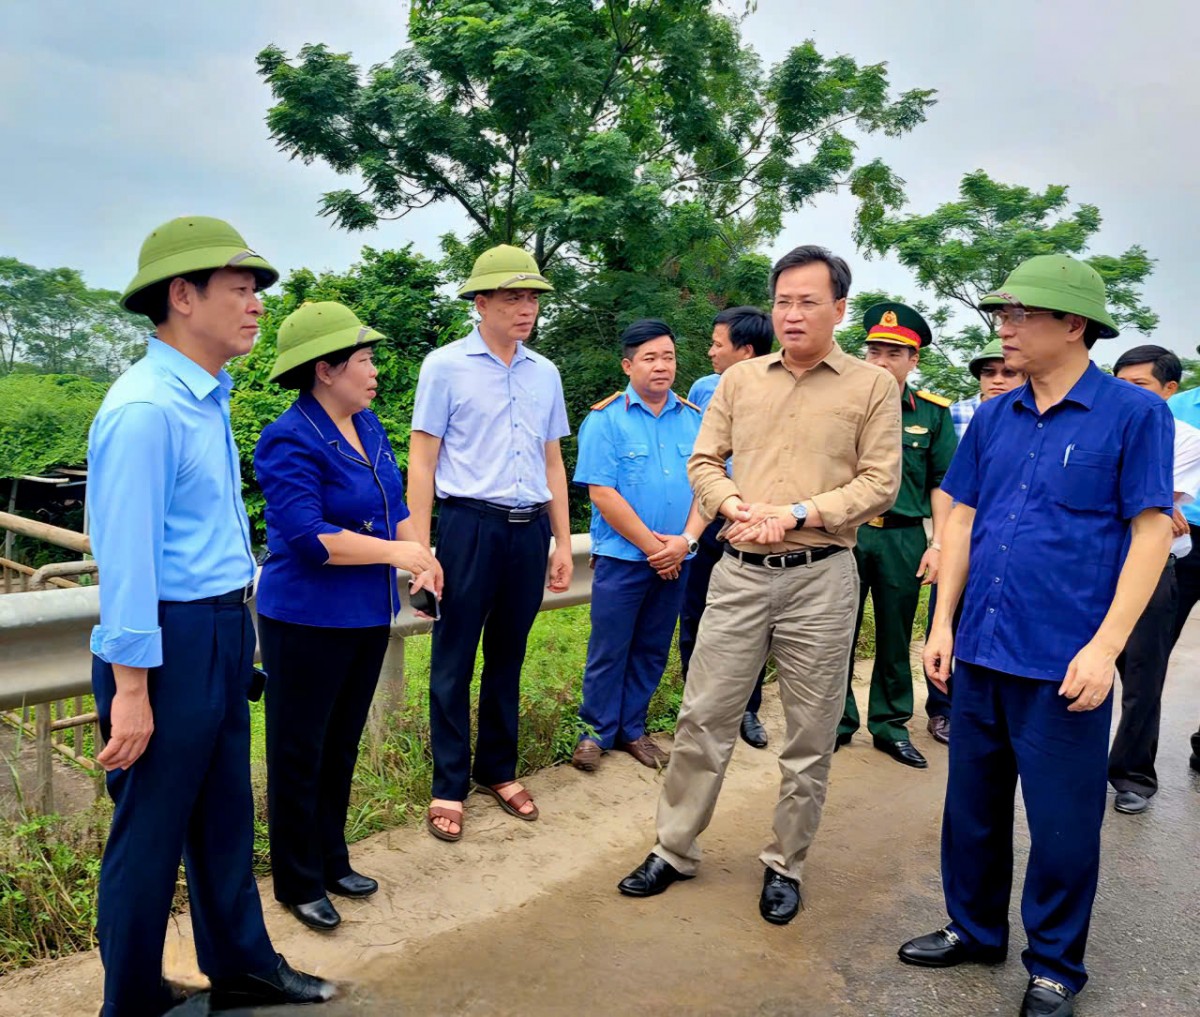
(315, 482)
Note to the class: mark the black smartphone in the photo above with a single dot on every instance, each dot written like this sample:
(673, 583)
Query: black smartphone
(258, 682)
(425, 602)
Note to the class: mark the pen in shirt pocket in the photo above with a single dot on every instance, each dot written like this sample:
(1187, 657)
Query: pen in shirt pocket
(1067, 453)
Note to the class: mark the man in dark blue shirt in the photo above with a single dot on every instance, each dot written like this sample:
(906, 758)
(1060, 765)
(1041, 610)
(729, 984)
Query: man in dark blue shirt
(1063, 491)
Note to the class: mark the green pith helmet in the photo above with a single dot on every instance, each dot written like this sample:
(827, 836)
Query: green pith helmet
(504, 268)
(896, 325)
(992, 351)
(191, 244)
(1056, 283)
(314, 331)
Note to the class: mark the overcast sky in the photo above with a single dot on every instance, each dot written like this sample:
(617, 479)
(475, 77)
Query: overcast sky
(116, 115)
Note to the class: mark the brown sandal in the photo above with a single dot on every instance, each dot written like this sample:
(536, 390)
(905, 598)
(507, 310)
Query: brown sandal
(440, 812)
(511, 805)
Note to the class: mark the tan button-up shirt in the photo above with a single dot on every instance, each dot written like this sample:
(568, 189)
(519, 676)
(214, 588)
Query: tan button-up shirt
(831, 436)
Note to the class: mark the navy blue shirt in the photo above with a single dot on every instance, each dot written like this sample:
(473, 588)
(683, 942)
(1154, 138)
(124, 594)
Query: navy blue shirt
(315, 482)
(1053, 495)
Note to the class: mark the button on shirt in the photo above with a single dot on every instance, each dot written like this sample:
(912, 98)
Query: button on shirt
(832, 435)
(644, 457)
(315, 482)
(164, 500)
(1186, 407)
(1053, 495)
(493, 419)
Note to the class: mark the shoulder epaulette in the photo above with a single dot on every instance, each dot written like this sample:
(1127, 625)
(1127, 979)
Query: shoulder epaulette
(608, 402)
(688, 402)
(933, 397)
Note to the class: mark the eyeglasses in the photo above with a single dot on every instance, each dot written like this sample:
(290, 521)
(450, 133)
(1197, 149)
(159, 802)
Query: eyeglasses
(805, 307)
(1013, 315)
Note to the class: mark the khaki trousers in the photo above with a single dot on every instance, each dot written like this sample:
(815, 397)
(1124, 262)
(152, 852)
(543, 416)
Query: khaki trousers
(804, 617)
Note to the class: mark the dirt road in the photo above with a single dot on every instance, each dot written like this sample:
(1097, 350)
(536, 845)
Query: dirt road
(524, 919)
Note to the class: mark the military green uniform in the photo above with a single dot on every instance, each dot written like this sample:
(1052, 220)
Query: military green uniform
(888, 553)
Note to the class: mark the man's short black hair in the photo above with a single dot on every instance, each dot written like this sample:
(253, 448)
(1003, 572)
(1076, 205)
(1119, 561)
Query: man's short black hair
(1165, 366)
(642, 331)
(839, 271)
(155, 301)
(748, 326)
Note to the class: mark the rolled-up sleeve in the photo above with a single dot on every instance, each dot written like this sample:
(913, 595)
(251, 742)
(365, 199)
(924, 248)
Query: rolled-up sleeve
(130, 460)
(707, 474)
(876, 481)
(289, 474)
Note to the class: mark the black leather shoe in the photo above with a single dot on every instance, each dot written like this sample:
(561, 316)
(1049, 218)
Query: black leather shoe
(943, 949)
(652, 877)
(843, 738)
(1131, 803)
(319, 914)
(903, 752)
(1046, 998)
(939, 727)
(281, 986)
(753, 733)
(353, 885)
(780, 898)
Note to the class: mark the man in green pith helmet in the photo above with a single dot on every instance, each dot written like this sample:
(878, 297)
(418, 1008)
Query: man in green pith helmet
(174, 651)
(894, 559)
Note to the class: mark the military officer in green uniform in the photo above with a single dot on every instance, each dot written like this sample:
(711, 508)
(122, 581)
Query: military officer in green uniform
(894, 560)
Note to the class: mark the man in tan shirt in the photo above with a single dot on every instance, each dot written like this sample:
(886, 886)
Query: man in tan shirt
(815, 440)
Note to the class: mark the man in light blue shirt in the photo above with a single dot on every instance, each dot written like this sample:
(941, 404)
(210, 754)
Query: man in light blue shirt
(739, 333)
(486, 427)
(174, 650)
(1186, 407)
(633, 453)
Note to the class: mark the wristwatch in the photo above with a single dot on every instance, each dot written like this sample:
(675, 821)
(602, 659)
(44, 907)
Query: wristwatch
(799, 513)
(692, 543)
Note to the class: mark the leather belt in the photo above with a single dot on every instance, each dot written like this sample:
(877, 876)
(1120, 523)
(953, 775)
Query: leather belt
(784, 559)
(240, 596)
(512, 515)
(894, 522)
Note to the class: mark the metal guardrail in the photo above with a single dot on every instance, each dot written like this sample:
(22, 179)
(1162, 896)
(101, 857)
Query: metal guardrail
(44, 654)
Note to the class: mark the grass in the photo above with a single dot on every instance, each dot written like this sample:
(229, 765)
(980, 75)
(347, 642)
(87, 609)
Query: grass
(49, 865)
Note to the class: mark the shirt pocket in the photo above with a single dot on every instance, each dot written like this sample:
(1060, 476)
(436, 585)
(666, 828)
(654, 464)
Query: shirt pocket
(633, 461)
(1089, 481)
(834, 433)
(918, 443)
(685, 450)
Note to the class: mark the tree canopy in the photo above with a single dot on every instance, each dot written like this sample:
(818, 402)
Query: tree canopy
(44, 421)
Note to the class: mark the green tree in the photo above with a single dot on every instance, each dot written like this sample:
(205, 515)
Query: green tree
(44, 421)
(965, 248)
(397, 292)
(52, 322)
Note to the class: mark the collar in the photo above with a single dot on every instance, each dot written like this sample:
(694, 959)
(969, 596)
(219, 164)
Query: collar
(633, 399)
(835, 359)
(315, 414)
(1083, 392)
(909, 397)
(476, 347)
(198, 381)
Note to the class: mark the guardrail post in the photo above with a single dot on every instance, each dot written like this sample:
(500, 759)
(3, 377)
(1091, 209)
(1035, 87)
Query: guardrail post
(389, 695)
(45, 762)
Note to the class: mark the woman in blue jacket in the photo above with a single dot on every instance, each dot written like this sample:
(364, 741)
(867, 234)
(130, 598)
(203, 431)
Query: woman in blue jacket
(337, 530)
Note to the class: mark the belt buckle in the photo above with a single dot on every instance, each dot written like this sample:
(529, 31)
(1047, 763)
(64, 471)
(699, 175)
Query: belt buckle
(778, 556)
(518, 515)
(877, 522)
(248, 592)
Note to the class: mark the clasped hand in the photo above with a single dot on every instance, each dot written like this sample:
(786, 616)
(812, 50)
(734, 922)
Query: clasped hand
(667, 561)
(756, 523)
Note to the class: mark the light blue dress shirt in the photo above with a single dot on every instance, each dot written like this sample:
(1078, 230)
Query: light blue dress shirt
(644, 457)
(1186, 407)
(493, 419)
(164, 500)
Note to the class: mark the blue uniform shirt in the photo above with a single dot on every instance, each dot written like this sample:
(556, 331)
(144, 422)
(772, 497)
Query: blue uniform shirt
(1053, 495)
(625, 446)
(164, 500)
(315, 482)
(1186, 407)
(702, 390)
(493, 420)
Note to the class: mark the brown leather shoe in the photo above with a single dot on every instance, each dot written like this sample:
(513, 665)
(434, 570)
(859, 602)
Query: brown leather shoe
(587, 755)
(939, 727)
(645, 752)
